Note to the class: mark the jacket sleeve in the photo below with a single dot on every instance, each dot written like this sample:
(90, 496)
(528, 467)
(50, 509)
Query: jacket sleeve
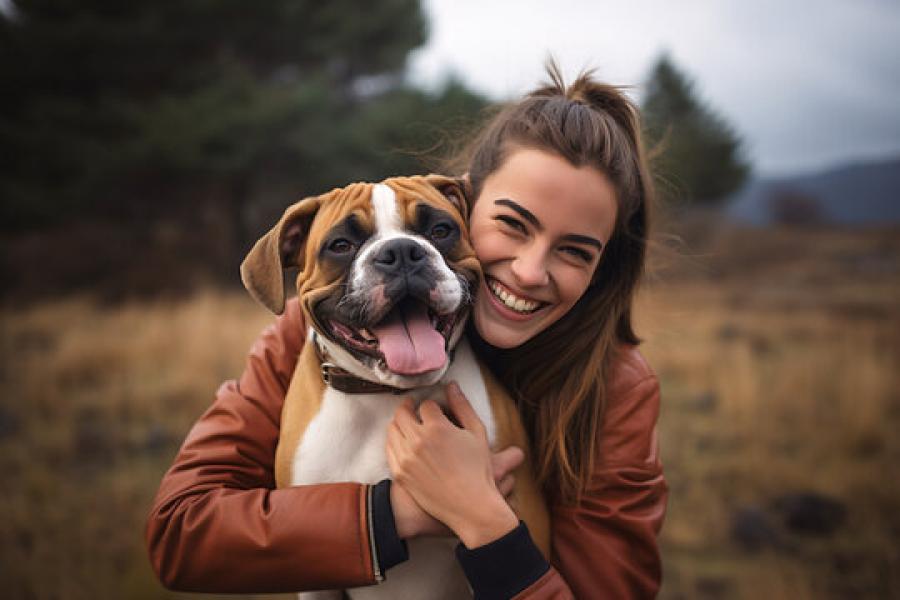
(218, 524)
(605, 545)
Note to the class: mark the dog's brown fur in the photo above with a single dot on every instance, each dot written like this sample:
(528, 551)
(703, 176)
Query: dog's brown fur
(294, 241)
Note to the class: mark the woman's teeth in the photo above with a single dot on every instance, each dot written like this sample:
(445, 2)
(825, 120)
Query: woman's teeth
(511, 301)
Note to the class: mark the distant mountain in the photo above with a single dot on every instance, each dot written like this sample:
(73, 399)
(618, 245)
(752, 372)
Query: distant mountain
(858, 194)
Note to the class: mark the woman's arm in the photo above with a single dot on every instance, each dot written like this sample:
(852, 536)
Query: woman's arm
(603, 546)
(217, 524)
(606, 545)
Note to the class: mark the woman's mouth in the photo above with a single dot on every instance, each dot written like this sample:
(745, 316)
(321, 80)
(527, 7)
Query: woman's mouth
(510, 301)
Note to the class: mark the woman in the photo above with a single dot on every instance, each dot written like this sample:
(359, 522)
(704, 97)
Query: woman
(560, 224)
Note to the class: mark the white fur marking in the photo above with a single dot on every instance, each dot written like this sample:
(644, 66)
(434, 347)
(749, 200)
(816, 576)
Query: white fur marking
(389, 227)
(387, 217)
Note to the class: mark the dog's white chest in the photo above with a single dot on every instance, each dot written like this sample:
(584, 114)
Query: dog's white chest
(345, 441)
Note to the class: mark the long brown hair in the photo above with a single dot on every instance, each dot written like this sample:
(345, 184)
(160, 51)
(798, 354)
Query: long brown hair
(558, 377)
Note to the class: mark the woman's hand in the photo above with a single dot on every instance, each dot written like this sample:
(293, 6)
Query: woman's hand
(449, 471)
(412, 521)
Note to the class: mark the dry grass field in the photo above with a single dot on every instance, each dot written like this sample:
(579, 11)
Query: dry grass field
(780, 367)
(778, 353)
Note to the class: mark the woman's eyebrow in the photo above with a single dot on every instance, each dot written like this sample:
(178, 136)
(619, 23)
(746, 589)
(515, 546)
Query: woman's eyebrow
(583, 239)
(524, 212)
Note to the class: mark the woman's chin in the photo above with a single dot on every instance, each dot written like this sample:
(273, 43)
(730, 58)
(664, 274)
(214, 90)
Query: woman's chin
(499, 335)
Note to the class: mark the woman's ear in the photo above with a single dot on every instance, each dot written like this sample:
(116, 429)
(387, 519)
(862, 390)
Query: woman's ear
(262, 271)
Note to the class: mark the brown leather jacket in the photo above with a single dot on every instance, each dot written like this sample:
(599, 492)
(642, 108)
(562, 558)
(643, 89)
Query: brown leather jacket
(219, 525)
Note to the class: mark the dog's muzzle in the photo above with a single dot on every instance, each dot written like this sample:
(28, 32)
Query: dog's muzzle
(406, 311)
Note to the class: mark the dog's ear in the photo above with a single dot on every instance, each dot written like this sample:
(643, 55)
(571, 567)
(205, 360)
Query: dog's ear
(282, 247)
(456, 189)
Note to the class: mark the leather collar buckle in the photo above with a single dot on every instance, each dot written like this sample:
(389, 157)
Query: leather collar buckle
(326, 372)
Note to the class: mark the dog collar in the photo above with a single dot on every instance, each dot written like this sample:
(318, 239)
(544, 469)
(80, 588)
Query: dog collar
(344, 381)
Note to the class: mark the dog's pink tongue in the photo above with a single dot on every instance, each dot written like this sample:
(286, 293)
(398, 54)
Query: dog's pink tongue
(408, 341)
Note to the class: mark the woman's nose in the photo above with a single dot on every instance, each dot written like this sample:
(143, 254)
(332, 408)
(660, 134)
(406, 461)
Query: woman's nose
(530, 266)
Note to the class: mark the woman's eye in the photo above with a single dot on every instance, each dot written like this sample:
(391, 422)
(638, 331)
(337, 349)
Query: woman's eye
(440, 231)
(578, 253)
(512, 223)
(340, 246)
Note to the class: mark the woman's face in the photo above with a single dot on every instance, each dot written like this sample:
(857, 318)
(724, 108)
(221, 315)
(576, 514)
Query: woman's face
(538, 227)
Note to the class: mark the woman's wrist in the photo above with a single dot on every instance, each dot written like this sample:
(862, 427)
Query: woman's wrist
(391, 547)
(404, 514)
(490, 522)
(409, 519)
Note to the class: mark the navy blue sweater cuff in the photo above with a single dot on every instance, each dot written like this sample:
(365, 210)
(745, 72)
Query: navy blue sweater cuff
(504, 567)
(391, 549)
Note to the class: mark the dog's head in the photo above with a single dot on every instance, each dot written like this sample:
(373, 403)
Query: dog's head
(385, 274)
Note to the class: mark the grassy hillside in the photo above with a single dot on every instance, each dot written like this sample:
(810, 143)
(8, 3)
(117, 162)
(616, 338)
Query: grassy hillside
(778, 354)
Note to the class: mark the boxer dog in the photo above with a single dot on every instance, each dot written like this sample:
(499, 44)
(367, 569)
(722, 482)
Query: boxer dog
(386, 274)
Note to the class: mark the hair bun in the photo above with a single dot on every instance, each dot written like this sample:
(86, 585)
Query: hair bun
(587, 91)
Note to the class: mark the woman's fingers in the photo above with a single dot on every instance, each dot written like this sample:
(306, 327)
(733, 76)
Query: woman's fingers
(405, 417)
(393, 446)
(506, 485)
(401, 457)
(463, 411)
(503, 464)
(431, 412)
(506, 461)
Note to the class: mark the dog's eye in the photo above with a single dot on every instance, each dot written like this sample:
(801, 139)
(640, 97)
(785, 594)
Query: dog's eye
(340, 246)
(440, 231)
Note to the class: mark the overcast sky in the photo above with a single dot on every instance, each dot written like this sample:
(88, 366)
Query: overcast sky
(809, 84)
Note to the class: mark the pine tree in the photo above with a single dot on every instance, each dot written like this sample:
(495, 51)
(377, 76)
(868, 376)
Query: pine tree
(145, 144)
(137, 110)
(699, 152)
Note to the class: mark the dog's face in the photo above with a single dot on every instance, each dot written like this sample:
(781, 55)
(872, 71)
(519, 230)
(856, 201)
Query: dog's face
(385, 274)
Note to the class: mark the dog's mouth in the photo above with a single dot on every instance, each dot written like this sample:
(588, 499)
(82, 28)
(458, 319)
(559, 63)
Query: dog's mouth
(411, 339)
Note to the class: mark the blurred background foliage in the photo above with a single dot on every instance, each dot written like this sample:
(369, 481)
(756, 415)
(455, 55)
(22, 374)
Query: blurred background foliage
(698, 155)
(192, 124)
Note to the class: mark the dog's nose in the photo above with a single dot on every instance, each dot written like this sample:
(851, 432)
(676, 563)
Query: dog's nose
(399, 255)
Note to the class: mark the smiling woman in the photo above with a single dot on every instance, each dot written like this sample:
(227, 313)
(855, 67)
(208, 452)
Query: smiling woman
(538, 228)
